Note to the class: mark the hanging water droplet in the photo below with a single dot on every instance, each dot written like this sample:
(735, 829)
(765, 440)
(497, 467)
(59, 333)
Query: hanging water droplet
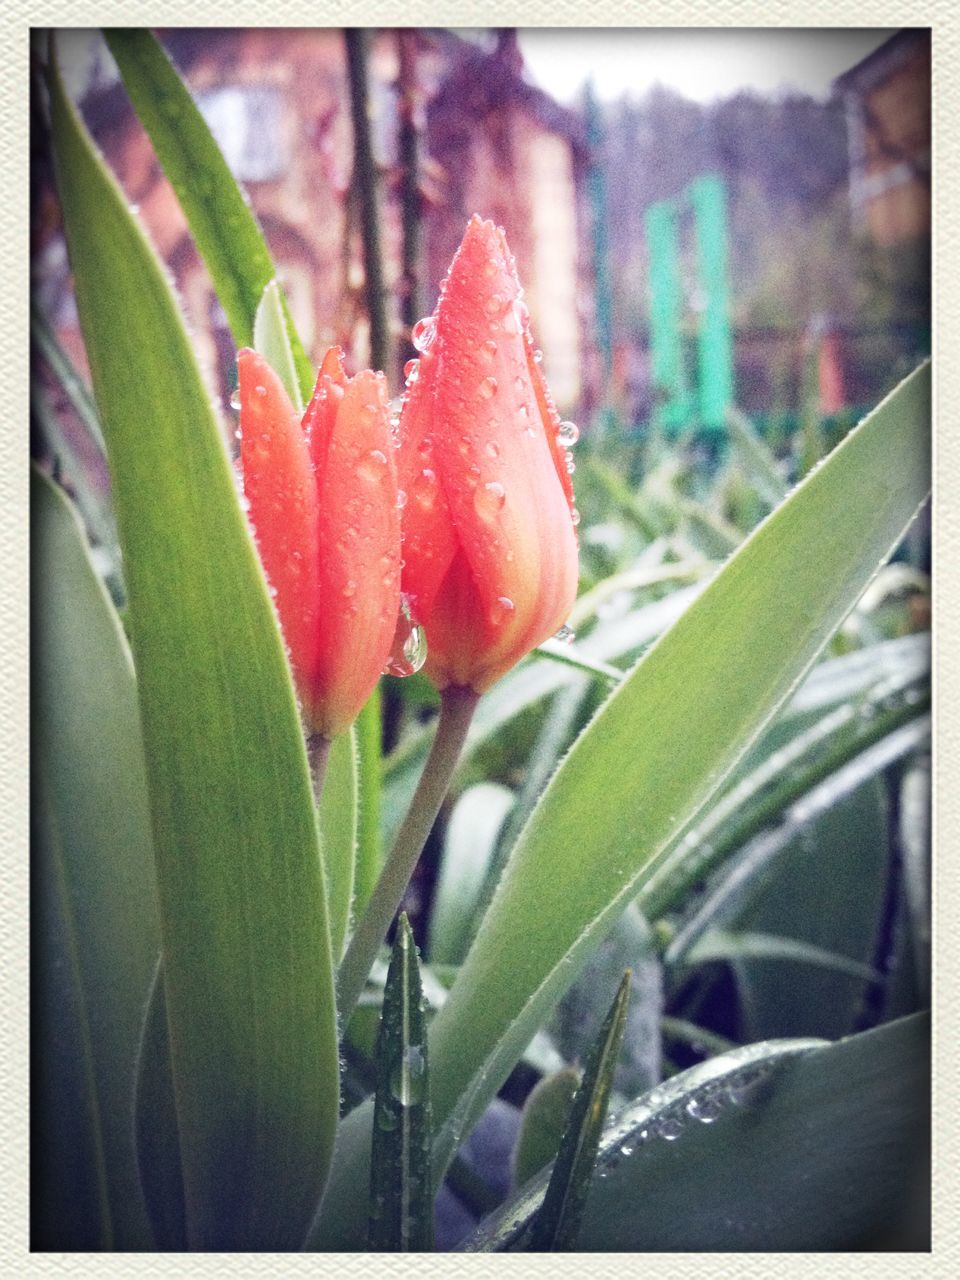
(411, 371)
(569, 464)
(704, 1109)
(568, 433)
(424, 333)
(626, 1149)
(489, 499)
(538, 356)
(408, 652)
(235, 402)
(670, 1129)
(401, 499)
(566, 635)
(575, 516)
(487, 388)
(405, 1085)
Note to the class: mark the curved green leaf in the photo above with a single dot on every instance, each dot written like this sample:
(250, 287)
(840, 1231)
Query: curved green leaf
(95, 931)
(338, 832)
(222, 222)
(785, 1146)
(247, 966)
(667, 738)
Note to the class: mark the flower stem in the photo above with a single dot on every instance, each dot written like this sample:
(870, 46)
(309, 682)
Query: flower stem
(457, 705)
(318, 755)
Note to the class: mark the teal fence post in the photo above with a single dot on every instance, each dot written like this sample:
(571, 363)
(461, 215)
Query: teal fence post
(708, 197)
(668, 375)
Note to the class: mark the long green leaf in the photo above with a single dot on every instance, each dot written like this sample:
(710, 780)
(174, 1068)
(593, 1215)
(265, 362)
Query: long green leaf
(662, 744)
(96, 935)
(785, 1146)
(401, 1199)
(247, 965)
(368, 730)
(557, 1223)
(222, 222)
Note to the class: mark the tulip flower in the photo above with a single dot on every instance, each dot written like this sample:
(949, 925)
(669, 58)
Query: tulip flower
(322, 500)
(489, 543)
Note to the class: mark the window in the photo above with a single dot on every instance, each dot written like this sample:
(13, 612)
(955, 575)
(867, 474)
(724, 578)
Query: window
(247, 122)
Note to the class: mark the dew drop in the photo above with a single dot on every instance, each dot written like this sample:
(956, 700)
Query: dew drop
(494, 304)
(566, 635)
(670, 1129)
(424, 333)
(408, 652)
(489, 348)
(487, 388)
(489, 499)
(575, 517)
(705, 1110)
(411, 371)
(492, 449)
(425, 489)
(538, 356)
(260, 390)
(401, 499)
(235, 400)
(502, 610)
(371, 466)
(626, 1149)
(349, 589)
(568, 433)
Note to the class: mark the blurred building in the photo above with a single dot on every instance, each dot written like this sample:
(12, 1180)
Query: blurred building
(887, 102)
(277, 102)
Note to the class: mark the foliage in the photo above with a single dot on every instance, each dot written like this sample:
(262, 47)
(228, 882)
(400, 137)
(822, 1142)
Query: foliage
(718, 783)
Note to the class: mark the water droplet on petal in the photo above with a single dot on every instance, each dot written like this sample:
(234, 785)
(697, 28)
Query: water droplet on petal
(492, 449)
(575, 516)
(401, 499)
(489, 499)
(566, 635)
(568, 433)
(349, 589)
(411, 371)
(408, 652)
(489, 348)
(260, 390)
(371, 466)
(488, 388)
(502, 609)
(424, 333)
(235, 400)
(494, 304)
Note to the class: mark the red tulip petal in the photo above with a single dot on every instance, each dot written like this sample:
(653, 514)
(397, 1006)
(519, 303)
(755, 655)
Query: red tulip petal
(359, 546)
(500, 478)
(280, 490)
(429, 539)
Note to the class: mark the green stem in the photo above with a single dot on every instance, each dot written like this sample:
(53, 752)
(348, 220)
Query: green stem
(318, 754)
(457, 705)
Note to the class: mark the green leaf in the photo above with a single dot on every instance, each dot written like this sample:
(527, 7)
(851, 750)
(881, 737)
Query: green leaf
(247, 965)
(542, 1123)
(271, 337)
(659, 748)
(666, 739)
(787, 1146)
(557, 1222)
(719, 944)
(401, 1192)
(338, 832)
(220, 219)
(468, 847)
(95, 930)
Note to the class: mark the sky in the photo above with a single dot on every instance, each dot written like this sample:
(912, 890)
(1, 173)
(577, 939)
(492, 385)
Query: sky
(703, 64)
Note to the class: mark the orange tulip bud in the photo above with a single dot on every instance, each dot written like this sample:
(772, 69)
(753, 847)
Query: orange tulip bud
(489, 544)
(322, 497)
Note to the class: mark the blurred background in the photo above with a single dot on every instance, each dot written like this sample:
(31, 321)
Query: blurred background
(703, 220)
